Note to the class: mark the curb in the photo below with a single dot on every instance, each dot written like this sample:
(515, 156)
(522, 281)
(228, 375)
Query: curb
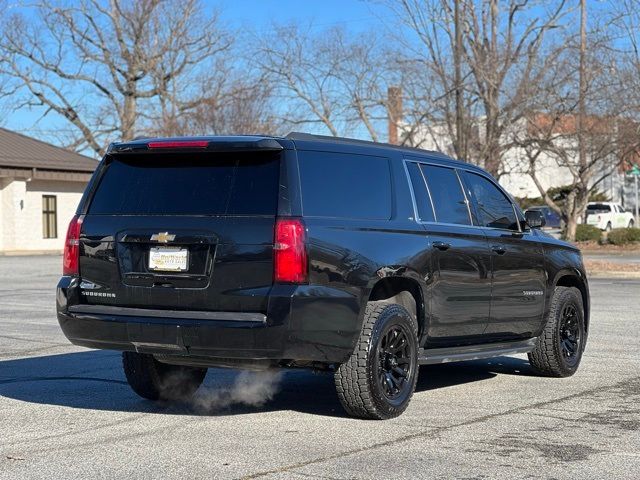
(614, 274)
(29, 253)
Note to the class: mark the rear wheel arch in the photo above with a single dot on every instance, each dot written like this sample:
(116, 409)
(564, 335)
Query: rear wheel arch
(572, 279)
(403, 291)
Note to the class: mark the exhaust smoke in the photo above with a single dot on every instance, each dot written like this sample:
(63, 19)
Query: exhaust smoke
(249, 388)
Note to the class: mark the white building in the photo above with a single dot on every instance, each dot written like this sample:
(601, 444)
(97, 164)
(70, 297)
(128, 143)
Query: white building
(40, 188)
(515, 178)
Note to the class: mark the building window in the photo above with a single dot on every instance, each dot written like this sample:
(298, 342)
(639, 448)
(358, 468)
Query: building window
(49, 217)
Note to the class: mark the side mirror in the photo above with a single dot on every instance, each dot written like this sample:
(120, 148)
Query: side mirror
(535, 218)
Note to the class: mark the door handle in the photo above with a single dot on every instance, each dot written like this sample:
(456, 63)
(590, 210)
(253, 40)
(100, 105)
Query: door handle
(441, 245)
(499, 249)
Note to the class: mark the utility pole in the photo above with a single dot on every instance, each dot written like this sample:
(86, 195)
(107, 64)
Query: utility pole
(635, 181)
(579, 196)
(394, 109)
(457, 54)
(635, 173)
(583, 84)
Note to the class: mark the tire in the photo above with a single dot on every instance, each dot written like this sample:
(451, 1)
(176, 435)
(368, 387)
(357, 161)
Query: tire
(369, 383)
(631, 224)
(154, 380)
(559, 348)
(608, 227)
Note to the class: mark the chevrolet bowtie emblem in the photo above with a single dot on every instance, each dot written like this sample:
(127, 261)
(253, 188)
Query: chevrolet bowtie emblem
(163, 237)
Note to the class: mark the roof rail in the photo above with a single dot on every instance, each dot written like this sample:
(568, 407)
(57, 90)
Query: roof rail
(329, 138)
(355, 141)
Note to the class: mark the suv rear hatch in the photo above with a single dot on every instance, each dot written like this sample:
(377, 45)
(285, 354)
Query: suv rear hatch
(594, 212)
(181, 230)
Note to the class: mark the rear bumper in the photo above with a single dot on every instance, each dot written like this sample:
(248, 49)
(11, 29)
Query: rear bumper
(302, 323)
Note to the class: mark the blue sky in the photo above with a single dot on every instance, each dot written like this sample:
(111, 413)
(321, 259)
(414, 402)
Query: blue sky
(253, 16)
(249, 15)
(261, 14)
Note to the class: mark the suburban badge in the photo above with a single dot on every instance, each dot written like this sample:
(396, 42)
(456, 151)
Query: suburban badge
(532, 293)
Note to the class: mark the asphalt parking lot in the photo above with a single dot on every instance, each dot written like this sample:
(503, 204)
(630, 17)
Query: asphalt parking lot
(66, 412)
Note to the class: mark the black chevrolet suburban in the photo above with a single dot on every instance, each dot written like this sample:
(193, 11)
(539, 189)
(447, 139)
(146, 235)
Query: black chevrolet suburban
(362, 259)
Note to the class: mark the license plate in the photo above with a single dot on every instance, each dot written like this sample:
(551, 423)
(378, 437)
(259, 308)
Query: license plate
(168, 259)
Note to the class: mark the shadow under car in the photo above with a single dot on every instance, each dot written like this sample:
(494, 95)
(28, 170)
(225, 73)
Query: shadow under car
(94, 379)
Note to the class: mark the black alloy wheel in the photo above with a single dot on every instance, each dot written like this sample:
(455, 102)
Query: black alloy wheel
(559, 348)
(394, 362)
(570, 336)
(379, 378)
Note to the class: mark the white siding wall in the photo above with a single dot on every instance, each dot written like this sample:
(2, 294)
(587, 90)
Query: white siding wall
(21, 213)
(12, 196)
(518, 182)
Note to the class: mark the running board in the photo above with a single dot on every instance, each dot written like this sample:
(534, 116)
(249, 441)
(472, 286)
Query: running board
(474, 352)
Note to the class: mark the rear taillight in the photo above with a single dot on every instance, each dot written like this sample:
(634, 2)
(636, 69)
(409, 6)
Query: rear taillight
(290, 252)
(71, 257)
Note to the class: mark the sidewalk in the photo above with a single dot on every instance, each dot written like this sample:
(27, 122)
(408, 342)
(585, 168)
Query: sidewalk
(622, 264)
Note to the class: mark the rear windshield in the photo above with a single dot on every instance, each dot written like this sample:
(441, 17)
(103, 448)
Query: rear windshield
(195, 184)
(598, 207)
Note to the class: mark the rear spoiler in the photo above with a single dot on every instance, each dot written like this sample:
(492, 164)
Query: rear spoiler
(197, 144)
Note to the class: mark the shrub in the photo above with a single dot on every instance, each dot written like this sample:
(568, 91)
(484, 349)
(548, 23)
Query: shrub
(586, 233)
(624, 236)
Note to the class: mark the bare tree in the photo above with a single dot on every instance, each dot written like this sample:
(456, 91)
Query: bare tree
(499, 54)
(97, 64)
(236, 106)
(577, 124)
(327, 79)
(555, 140)
(438, 107)
(625, 25)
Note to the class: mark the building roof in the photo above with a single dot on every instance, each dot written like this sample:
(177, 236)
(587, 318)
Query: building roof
(20, 151)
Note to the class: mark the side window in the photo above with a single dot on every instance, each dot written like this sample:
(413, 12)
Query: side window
(49, 216)
(447, 196)
(621, 209)
(494, 208)
(345, 185)
(423, 202)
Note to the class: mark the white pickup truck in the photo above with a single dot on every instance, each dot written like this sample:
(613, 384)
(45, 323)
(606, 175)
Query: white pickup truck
(608, 215)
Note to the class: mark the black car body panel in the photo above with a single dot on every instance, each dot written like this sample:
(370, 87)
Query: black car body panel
(468, 284)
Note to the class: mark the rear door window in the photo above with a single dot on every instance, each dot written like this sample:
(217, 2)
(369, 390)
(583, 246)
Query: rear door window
(420, 193)
(345, 185)
(448, 199)
(195, 184)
